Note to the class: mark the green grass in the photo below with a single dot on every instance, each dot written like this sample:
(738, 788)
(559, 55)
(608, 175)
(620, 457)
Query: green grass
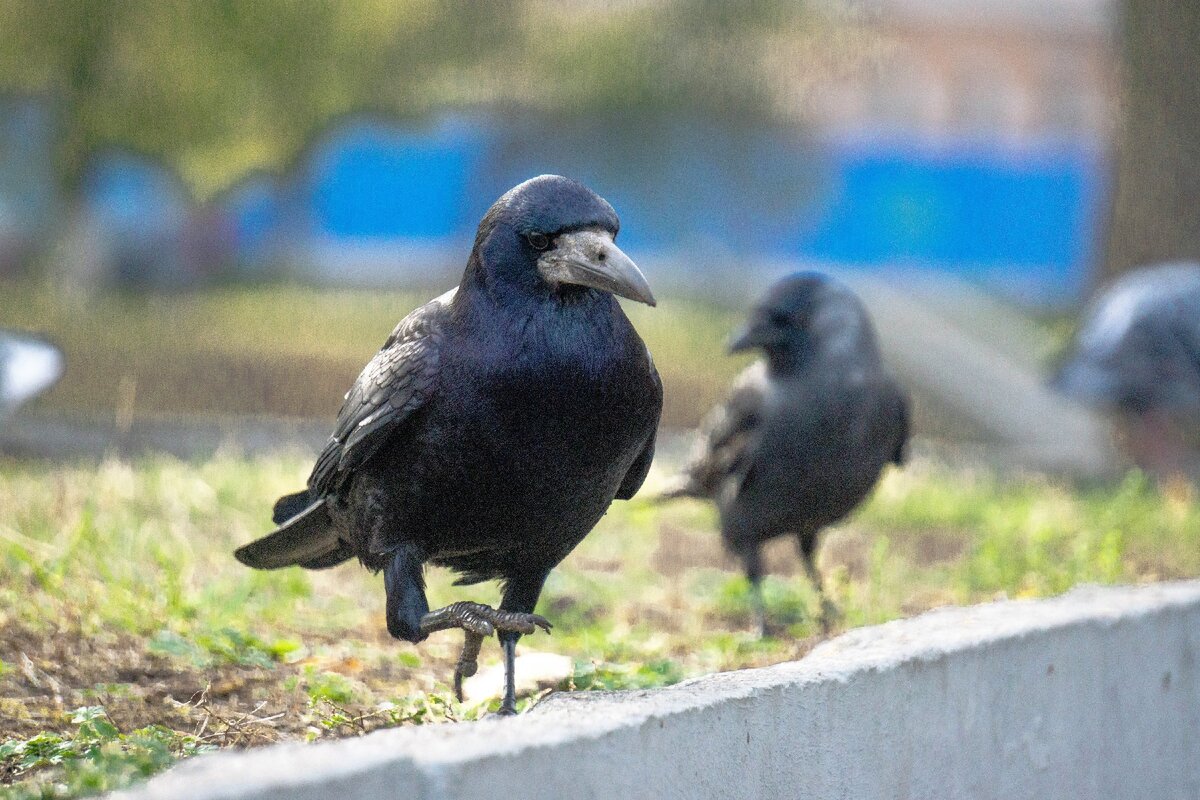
(129, 637)
(291, 351)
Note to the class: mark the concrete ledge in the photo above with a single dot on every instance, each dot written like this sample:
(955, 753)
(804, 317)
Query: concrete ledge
(1093, 694)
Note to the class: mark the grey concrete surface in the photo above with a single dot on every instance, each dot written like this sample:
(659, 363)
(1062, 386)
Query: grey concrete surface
(1091, 695)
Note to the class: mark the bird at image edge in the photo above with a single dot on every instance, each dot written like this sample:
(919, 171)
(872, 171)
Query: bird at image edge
(494, 428)
(28, 366)
(1136, 357)
(805, 432)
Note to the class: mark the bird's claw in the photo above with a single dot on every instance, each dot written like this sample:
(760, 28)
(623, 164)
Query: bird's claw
(517, 622)
(482, 620)
(464, 614)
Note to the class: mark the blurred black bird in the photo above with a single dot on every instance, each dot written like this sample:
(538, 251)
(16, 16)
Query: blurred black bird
(1137, 356)
(493, 429)
(805, 432)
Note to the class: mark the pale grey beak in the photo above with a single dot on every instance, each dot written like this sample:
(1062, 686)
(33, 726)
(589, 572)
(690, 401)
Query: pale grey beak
(757, 333)
(592, 258)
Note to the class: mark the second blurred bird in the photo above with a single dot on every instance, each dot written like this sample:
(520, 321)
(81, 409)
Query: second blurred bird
(806, 431)
(1136, 357)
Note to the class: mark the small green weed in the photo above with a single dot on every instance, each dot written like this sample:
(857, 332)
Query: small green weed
(590, 675)
(96, 757)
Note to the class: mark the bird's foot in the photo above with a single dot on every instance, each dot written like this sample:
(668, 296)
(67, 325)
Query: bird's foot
(477, 622)
(507, 709)
(763, 624)
(481, 620)
(770, 630)
(828, 619)
(468, 662)
(831, 615)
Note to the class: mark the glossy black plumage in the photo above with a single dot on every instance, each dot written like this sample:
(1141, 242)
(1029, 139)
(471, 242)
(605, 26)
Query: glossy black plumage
(805, 432)
(498, 422)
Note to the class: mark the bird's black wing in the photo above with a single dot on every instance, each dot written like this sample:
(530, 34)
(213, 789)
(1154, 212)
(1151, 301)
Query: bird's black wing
(396, 382)
(729, 436)
(640, 468)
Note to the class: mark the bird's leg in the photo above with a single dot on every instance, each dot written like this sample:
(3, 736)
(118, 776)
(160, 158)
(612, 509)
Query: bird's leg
(404, 580)
(753, 564)
(468, 661)
(1155, 445)
(409, 617)
(520, 597)
(508, 706)
(830, 613)
(760, 608)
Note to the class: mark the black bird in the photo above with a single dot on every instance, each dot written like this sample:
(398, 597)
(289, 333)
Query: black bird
(805, 433)
(493, 429)
(1137, 356)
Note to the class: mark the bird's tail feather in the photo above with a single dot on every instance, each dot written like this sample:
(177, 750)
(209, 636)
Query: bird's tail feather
(290, 505)
(307, 538)
(330, 559)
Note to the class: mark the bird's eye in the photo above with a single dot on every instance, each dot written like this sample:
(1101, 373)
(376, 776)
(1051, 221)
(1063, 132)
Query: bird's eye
(538, 241)
(779, 319)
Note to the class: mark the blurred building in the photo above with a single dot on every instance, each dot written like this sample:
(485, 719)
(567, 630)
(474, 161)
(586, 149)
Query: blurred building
(1007, 70)
(973, 139)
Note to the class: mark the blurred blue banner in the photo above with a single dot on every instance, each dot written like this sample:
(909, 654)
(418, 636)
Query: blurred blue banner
(374, 201)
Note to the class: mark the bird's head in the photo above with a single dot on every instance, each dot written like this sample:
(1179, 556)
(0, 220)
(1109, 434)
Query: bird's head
(552, 236)
(808, 315)
(1138, 348)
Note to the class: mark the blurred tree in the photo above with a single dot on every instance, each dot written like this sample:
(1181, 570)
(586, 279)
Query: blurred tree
(1155, 207)
(220, 87)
